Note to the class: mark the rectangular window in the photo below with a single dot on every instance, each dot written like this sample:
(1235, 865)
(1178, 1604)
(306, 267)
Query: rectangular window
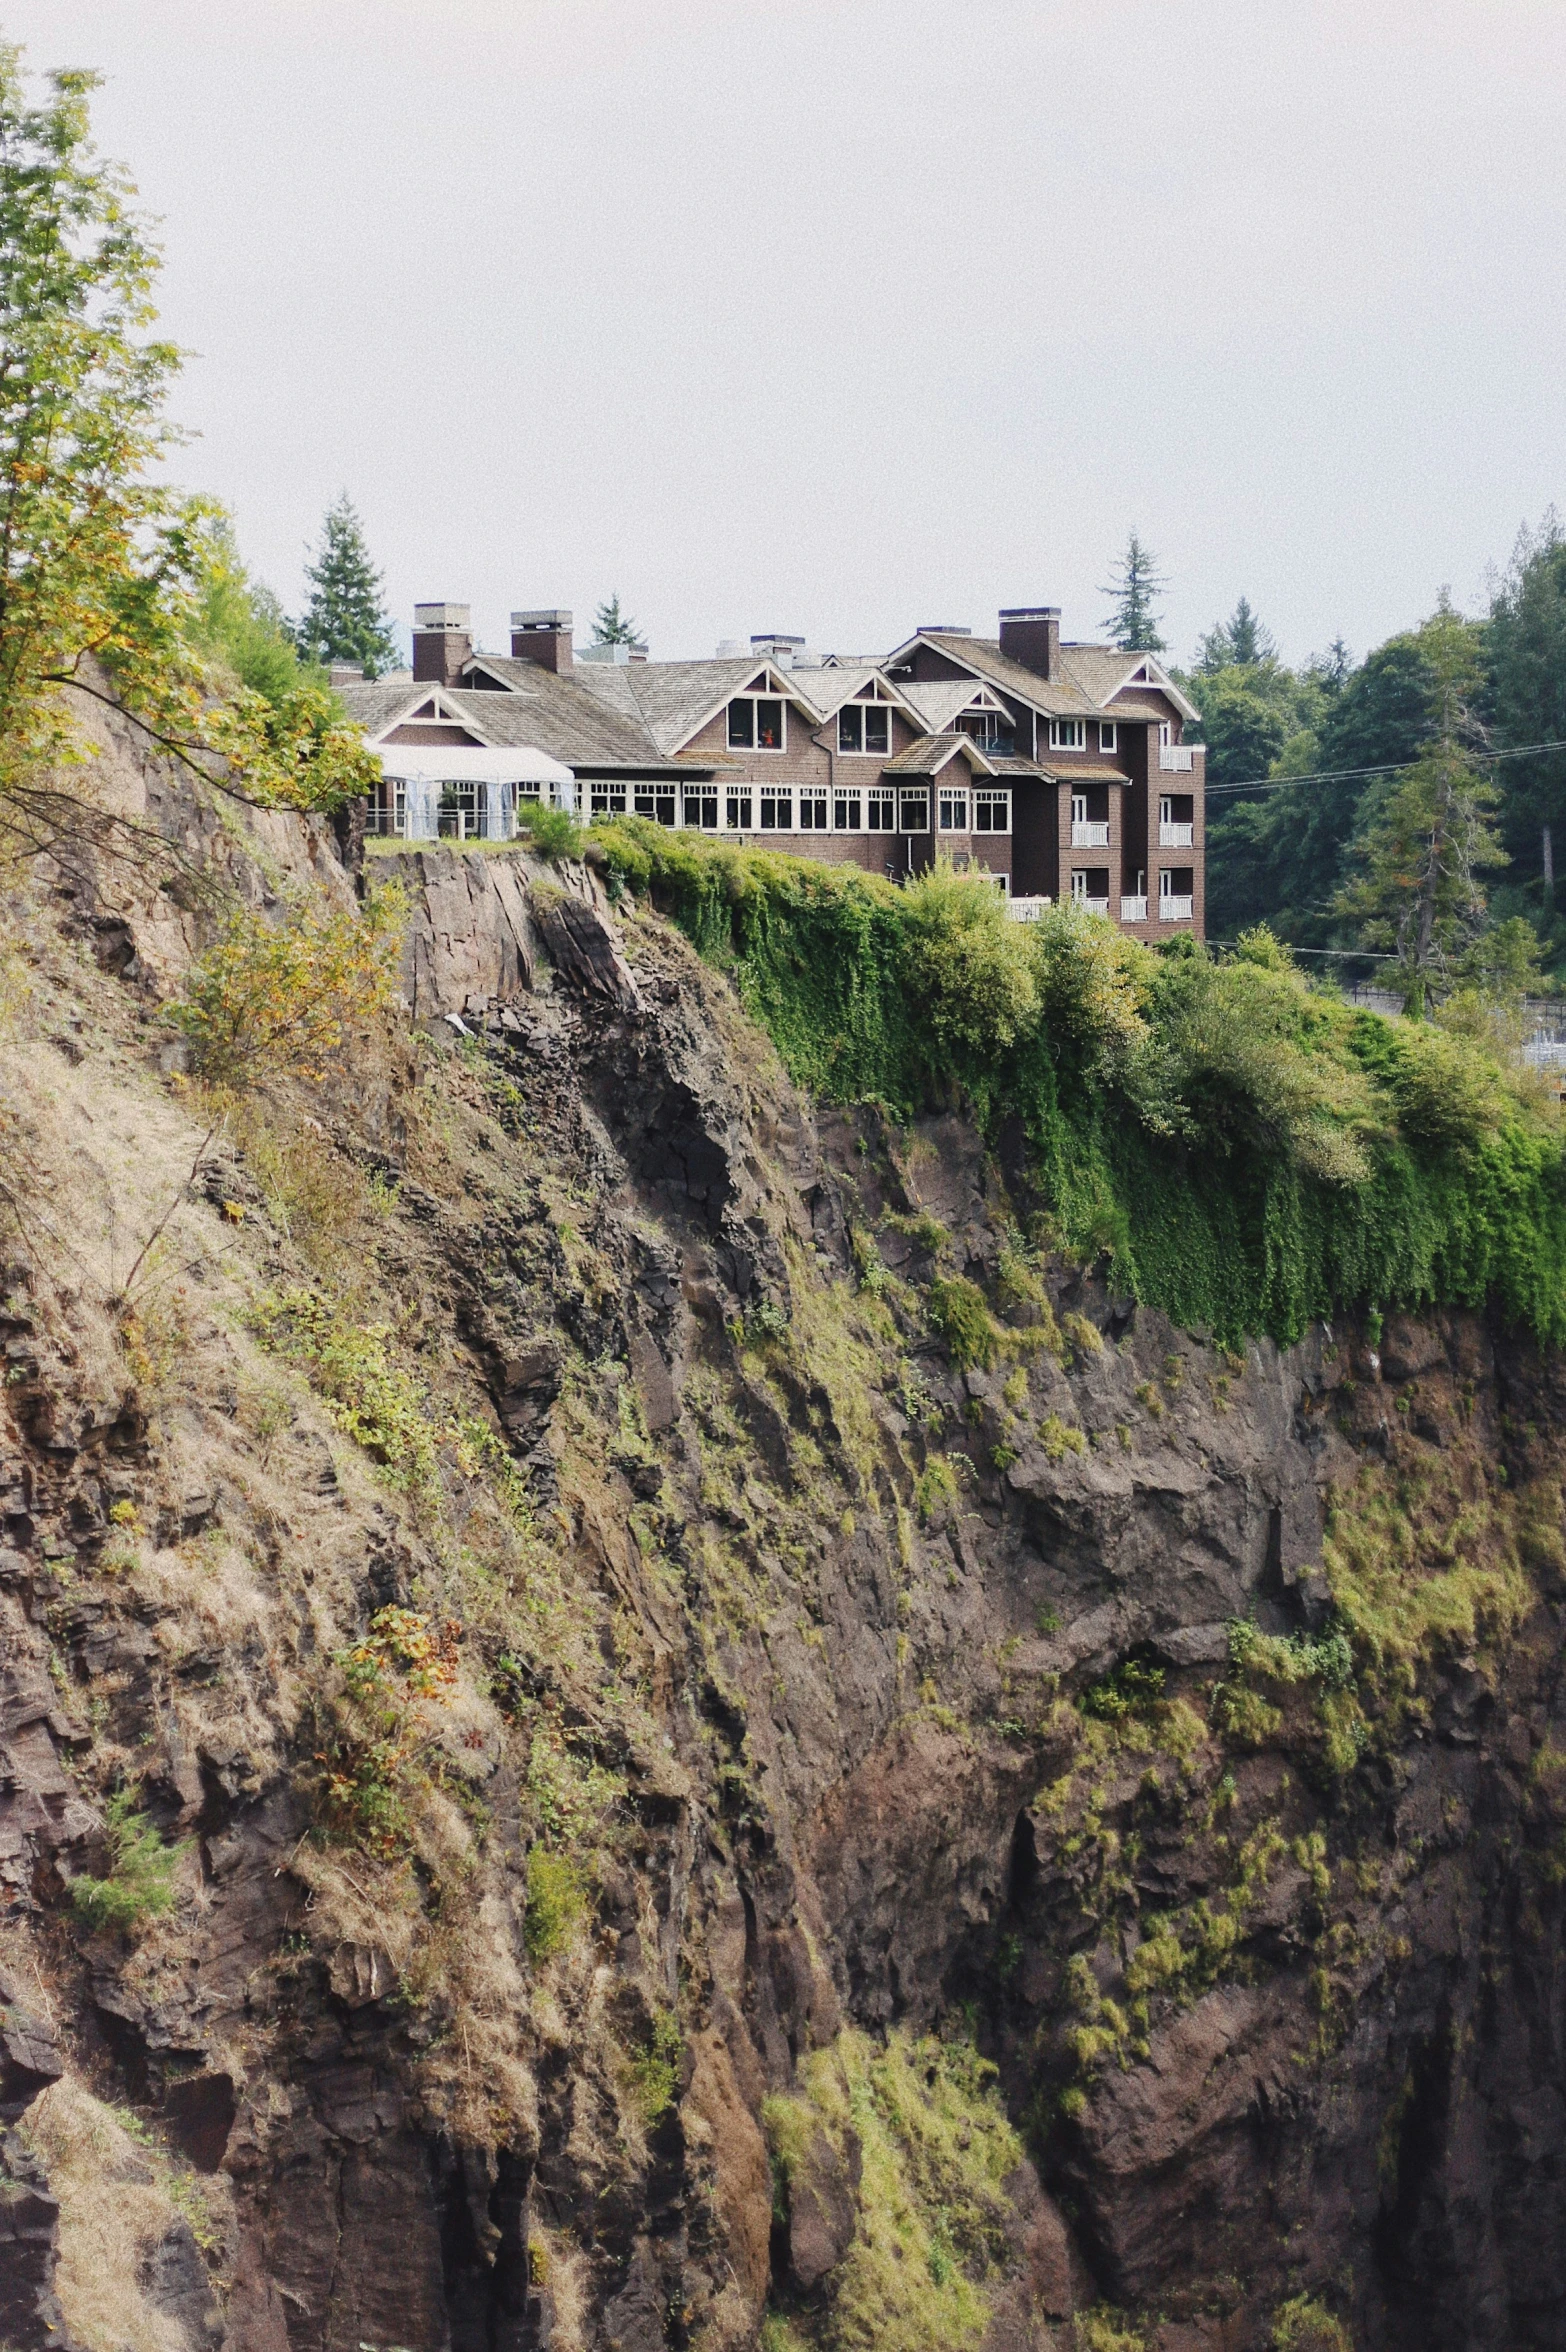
(913, 812)
(608, 800)
(736, 814)
(756, 723)
(991, 811)
(777, 812)
(846, 812)
(1068, 734)
(1108, 735)
(866, 727)
(880, 813)
(954, 808)
(1165, 734)
(655, 801)
(812, 811)
(701, 808)
(458, 819)
(1079, 808)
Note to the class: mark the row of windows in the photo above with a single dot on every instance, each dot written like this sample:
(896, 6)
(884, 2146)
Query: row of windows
(744, 808)
(759, 722)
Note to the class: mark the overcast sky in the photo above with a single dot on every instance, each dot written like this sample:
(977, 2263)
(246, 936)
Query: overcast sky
(842, 318)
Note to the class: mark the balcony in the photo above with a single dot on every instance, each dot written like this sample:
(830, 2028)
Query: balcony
(1174, 910)
(1089, 833)
(1092, 906)
(1172, 836)
(1178, 759)
(1133, 910)
(1027, 910)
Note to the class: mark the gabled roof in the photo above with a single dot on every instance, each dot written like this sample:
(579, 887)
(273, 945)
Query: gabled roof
(936, 702)
(983, 658)
(931, 753)
(376, 707)
(561, 715)
(1105, 671)
(675, 700)
(829, 689)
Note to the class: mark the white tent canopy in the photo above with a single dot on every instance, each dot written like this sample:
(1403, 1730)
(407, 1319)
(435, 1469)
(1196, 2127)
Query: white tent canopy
(468, 789)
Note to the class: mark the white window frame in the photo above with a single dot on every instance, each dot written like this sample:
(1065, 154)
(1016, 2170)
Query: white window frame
(698, 795)
(769, 796)
(1165, 734)
(874, 798)
(861, 749)
(848, 808)
(948, 797)
(813, 797)
(761, 750)
(1108, 735)
(739, 807)
(1068, 734)
(907, 795)
(998, 797)
(607, 798)
(645, 799)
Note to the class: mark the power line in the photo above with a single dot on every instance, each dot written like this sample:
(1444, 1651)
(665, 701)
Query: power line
(1350, 775)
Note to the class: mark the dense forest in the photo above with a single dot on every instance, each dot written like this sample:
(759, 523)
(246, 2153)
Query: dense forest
(1314, 746)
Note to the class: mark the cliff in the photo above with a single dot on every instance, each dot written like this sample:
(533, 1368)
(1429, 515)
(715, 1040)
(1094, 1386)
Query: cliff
(703, 1740)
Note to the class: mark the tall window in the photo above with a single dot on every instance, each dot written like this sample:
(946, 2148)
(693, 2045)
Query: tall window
(656, 801)
(864, 727)
(1108, 734)
(812, 810)
(991, 811)
(777, 810)
(608, 800)
(701, 807)
(954, 808)
(736, 815)
(756, 723)
(1068, 734)
(846, 808)
(880, 812)
(913, 812)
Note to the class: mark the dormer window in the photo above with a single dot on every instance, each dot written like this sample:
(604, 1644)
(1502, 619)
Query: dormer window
(864, 727)
(1068, 734)
(756, 723)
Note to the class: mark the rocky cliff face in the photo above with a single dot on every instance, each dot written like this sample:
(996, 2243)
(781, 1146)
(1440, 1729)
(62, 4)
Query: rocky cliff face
(733, 1750)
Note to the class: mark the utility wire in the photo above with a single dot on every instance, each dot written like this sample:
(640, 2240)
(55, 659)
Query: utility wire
(1348, 775)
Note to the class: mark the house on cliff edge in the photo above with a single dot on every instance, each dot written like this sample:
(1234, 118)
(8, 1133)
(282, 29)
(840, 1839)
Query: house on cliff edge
(1062, 770)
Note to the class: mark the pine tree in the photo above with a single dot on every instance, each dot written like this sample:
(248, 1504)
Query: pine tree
(613, 627)
(1240, 643)
(1133, 623)
(345, 620)
(1433, 835)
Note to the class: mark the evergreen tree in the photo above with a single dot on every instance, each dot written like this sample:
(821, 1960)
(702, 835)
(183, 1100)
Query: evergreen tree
(1133, 623)
(1238, 643)
(345, 620)
(1527, 655)
(1432, 834)
(613, 627)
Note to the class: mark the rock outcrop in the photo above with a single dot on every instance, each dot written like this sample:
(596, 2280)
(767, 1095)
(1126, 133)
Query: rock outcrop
(786, 1694)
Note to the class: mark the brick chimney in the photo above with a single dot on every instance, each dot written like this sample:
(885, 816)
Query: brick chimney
(1030, 634)
(542, 637)
(442, 642)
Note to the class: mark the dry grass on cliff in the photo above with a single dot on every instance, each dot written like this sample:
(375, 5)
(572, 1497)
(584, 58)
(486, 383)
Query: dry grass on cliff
(120, 2197)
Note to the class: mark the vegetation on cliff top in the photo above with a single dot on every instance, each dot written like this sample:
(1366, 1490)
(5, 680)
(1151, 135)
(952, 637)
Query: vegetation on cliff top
(1246, 1151)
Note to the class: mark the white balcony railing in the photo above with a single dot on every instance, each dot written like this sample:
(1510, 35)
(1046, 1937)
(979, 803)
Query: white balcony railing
(1027, 910)
(1089, 833)
(1095, 906)
(1133, 910)
(1174, 910)
(1175, 836)
(1178, 759)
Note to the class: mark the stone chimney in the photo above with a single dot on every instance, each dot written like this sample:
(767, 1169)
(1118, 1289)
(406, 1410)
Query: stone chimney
(442, 642)
(1030, 634)
(542, 637)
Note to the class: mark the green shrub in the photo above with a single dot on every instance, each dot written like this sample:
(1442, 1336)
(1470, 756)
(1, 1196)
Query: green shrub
(556, 1901)
(279, 999)
(140, 1884)
(962, 1317)
(1305, 2325)
(553, 833)
(1129, 1689)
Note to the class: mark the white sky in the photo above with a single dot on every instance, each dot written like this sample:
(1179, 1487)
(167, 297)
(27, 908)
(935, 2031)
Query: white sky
(841, 318)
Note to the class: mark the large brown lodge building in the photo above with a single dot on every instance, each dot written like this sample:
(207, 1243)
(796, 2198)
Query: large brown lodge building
(1061, 769)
